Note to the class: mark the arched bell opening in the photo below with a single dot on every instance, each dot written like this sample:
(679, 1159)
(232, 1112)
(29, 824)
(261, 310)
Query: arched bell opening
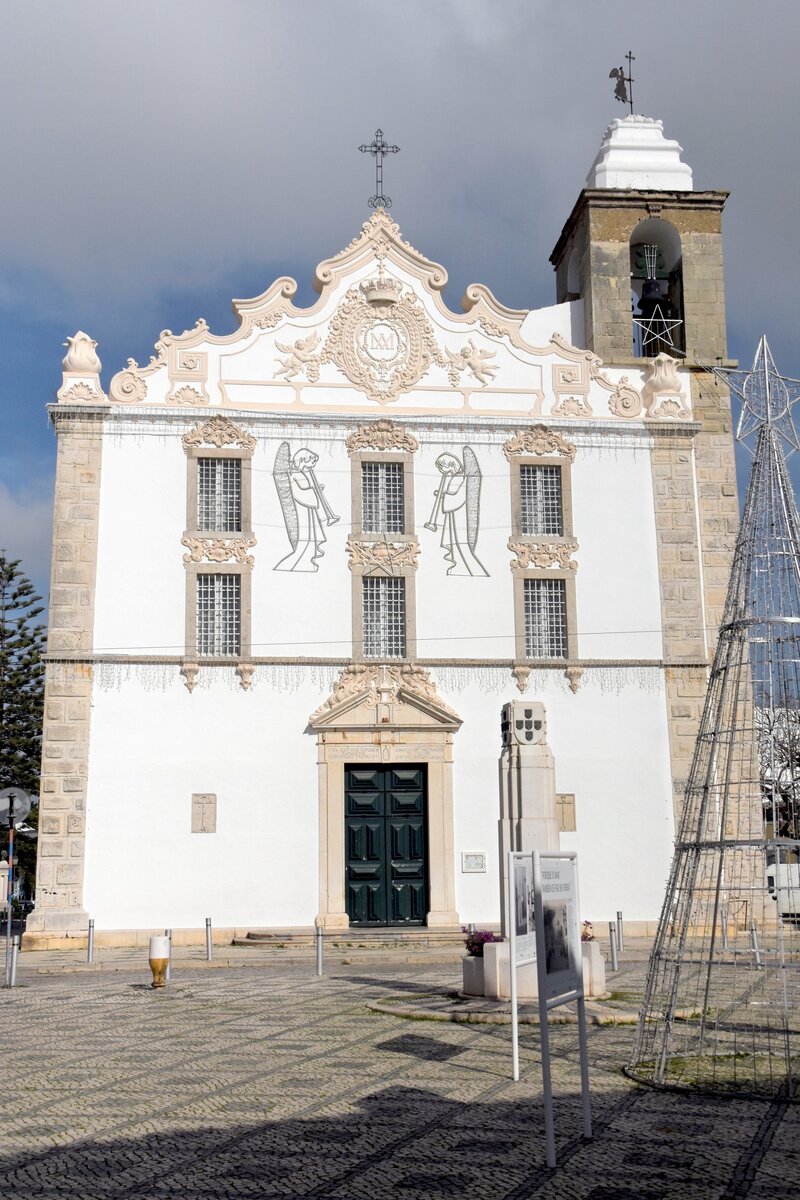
(657, 289)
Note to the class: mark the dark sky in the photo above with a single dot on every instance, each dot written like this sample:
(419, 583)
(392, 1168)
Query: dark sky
(164, 156)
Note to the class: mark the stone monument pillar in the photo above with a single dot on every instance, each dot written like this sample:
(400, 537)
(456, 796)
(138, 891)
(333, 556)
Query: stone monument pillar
(528, 812)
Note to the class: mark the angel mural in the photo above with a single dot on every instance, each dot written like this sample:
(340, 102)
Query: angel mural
(304, 508)
(457, 504)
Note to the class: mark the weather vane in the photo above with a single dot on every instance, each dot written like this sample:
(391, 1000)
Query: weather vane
(623, 91)
(378, 148)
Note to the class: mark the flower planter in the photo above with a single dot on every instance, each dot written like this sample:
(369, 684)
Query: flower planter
(594, 969)
(472, 974)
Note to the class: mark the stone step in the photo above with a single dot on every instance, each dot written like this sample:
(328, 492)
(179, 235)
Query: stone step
(386, 940)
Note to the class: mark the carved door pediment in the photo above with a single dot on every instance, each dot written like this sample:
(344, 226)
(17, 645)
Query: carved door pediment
(385, 696)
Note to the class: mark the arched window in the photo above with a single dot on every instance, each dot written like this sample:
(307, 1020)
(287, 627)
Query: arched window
(657, 289)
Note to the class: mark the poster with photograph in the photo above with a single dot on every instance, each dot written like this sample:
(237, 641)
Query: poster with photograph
(562, 966)
(522, 915)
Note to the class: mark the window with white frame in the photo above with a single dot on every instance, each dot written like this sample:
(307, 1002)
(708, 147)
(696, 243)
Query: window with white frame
(219, 495)
(219, 614)
(545, 613)
(540, 501)
(383, 497)
(384, 616)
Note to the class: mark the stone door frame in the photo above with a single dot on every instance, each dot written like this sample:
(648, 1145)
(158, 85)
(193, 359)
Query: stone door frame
(434, 748)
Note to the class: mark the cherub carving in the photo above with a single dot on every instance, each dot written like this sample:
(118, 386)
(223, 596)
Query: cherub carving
(471, 358)
(300, 358)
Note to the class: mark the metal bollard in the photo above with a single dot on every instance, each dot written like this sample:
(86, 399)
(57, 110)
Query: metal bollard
(168, 934)
(12, 982)
(756, 947)
(471, 927)
(318, 934)
(208, 939)
(90, 944)
(620, 934)
(612, 934)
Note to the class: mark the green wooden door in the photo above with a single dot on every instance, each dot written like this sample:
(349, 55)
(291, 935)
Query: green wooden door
(386, 843)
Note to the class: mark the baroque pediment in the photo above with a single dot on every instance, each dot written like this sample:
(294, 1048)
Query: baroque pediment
(381, 335)
(384, 696)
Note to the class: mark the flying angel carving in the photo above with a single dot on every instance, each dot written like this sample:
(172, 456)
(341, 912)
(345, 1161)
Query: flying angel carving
(300, 358)
(471, 358)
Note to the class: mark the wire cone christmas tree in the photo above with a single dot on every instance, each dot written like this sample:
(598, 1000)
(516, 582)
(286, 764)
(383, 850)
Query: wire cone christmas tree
(722, 1002)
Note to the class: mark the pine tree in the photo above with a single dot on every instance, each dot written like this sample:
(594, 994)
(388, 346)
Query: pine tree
(21, 693)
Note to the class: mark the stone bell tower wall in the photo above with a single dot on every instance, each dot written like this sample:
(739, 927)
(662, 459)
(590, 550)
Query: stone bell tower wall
(694, 481)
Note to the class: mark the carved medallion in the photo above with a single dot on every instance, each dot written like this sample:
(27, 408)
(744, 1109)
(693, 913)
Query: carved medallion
(382, 345)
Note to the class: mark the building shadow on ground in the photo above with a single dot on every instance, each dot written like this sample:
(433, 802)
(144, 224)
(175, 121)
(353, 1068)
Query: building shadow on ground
(399, 1142)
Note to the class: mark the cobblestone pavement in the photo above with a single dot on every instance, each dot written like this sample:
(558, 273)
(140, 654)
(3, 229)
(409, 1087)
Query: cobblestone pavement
(268, 1082)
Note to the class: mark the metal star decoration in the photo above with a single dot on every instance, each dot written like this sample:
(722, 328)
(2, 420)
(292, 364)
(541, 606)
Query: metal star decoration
(767, 399)
(655, 333)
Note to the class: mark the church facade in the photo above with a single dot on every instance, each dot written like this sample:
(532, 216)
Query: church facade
(298, 571)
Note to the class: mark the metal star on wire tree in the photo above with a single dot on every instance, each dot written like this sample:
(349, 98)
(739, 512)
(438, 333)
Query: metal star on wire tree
(767, 399)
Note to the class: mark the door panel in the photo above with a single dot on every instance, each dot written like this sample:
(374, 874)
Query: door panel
(386, 865)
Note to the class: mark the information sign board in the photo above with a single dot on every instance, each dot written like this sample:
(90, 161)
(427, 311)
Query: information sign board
(563, 969)
(522, 913)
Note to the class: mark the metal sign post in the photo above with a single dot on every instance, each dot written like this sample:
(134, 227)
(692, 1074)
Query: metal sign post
(14, 806)
(559, 968)
(10, 887)
(522, 937)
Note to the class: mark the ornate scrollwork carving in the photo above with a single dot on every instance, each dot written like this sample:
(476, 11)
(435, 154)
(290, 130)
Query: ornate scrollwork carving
(540, 555)
(381, 435)
(625, 400)
(382, 556)
(521, 672)
(218, 550)
(539, 440)
(219, 432)
(81, 393)
(572, 406)
(662, 389)
(190, 671)
(128, 387)
(574, 675)
(186, 395)
(382, 681)
(245, 672)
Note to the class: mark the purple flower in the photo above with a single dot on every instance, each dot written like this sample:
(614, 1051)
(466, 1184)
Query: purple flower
(476, 940)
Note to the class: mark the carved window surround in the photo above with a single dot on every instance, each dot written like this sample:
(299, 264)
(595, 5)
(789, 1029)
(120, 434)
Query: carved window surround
(540, 556)
(222, 551)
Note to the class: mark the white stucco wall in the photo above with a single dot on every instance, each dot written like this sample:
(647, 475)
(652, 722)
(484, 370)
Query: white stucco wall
(153, 746)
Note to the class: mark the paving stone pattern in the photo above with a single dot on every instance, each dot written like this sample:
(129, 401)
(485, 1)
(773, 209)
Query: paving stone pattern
(267, 1082)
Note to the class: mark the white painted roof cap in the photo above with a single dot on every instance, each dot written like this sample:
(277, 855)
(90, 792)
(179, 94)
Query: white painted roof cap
(635, 154)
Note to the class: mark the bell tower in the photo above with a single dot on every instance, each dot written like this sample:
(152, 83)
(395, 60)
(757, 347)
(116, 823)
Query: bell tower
(642, 252)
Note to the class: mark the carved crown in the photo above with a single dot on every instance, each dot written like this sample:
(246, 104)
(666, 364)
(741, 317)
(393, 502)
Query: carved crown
(382, 289)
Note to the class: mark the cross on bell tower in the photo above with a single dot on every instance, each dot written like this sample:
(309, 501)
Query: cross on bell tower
(379, 148)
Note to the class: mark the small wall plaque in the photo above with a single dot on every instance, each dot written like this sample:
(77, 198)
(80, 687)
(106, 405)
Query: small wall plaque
(472, 863)
(204, 812)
